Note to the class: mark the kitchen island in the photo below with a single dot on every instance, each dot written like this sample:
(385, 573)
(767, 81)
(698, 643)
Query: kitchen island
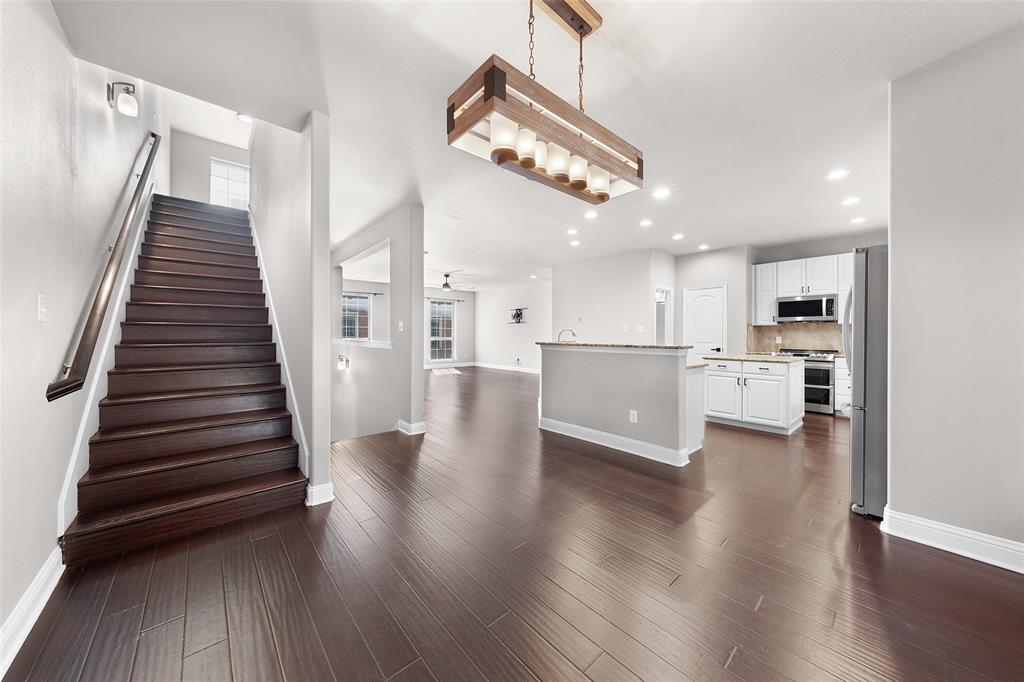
(642, 399)
(755, 391)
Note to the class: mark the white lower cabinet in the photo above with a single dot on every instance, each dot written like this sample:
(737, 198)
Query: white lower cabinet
(763, 396)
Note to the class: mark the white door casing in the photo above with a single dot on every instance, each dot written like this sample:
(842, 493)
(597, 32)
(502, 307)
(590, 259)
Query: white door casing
(705, 320)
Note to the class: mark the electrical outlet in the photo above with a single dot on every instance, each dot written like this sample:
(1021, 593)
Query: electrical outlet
(41, 308)
(632, 417)
(625, 329)
(517, 362)
(639, 329)
(778, 339)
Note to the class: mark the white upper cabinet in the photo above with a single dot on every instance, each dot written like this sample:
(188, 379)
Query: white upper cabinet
(844, 280)
(764, 278)
(790, 277)
(820, 275)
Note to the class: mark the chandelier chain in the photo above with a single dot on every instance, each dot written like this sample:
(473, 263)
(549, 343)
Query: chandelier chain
(581, 70)
(530, 24)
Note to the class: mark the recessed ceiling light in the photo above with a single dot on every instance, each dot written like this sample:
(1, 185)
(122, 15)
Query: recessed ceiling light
(533, 276)
(661, 192)
(572, 230)
(245, 118)
(858, 220)
(703, 247)
(574, 242)
(590, 215)
(677, 236)
(837, 174)
(646, 222)
(850, 201)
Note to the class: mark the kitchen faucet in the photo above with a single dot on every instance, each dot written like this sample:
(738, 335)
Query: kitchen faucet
(564, 331)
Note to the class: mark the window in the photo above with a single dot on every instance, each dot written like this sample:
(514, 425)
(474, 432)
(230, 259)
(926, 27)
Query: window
(442, 330)
(355, 316)
(229, 184)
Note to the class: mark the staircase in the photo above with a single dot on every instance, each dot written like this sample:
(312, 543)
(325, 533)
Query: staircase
(194, 431)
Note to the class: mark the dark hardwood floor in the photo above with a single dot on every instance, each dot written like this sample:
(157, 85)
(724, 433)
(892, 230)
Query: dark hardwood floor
(490, 550)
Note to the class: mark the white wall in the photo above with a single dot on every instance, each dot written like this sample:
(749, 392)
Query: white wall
(956, 283)
(512, 346)
(819, 247)
(465, 325)
(384, 385)
(730, 267)
(67, 177)
(190, 163)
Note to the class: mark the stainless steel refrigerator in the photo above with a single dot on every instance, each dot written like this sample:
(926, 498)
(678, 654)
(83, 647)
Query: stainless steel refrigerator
(865, 342)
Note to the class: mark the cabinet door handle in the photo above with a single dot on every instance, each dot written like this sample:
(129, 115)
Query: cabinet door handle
(764, 369)
(744, 381)
(737, 381)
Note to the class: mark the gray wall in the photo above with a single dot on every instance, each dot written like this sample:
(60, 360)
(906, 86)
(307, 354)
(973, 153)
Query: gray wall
(956, 280)
(384, 385)
(190, 163)
(724, 266)
(67, 180)
(501, 344)
(819, 247)
(465, 324)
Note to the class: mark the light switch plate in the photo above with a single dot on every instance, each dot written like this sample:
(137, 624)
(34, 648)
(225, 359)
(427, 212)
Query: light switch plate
(625, 329)
(401, 326)
(639, 329)
(632, 417)
(41, 308)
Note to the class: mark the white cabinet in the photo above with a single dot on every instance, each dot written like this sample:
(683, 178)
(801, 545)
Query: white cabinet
(791, 277)
(765, 400)
(820, 275)
(723, 394)
(844, 280)
(764, 278)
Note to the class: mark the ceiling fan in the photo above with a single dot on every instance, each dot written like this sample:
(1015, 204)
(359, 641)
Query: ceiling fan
(446, 286)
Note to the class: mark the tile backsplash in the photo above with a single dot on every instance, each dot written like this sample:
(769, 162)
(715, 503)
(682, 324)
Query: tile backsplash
(812, 335)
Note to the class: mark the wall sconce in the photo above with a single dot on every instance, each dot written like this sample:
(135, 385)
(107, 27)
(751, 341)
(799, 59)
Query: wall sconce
(124, 94)
(343, 363)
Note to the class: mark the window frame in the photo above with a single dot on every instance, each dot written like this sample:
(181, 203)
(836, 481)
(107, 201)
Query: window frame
(431, 337)
(247, 181)
(345, 296)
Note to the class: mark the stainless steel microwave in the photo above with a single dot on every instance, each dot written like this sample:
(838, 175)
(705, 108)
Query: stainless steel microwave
(807, 308)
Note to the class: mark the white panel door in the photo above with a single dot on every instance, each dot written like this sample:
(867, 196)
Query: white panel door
(723, 395)
(790, 277)
(704, 320)
(765, 400)
(820, 275)
(764, 293)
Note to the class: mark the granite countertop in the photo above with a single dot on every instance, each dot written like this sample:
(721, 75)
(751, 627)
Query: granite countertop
(695, 365)
(756, 357)
(610, 345)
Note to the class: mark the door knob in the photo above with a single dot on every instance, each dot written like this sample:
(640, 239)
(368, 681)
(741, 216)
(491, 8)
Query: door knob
(717, 350)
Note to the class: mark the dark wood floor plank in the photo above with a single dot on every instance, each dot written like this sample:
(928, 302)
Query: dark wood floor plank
(543, 659)
(26, 657)
(166, 597)
(212, 664)
(112, 653)
(63, 656)
(253, 650)
(131, 583)
(607, 669)
(159, 653)
(302, 653)
(417, 671)
(205, 618)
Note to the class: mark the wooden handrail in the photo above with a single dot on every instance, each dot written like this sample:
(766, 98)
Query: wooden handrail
(79, 367)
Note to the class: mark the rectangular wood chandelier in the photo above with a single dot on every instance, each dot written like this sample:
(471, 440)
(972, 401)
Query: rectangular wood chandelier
(503, 115)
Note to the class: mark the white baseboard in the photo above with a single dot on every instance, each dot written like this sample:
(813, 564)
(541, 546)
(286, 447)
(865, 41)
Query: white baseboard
(659, 453)
(21, 619)
(779, 431)
(1008, 554)
(507, 368)
(319, 494)
(443, 365)
(411, 429)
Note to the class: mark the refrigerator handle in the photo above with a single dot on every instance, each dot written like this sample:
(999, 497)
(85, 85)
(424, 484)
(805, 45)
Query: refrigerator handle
(846, 328)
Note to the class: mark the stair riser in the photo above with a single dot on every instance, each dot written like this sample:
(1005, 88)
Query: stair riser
(115, 416)
(208, 222)
(192, 334)
(217, 212)
(150, 447)
(199, 243)
(155, 382)
(82, 549)
(173, 312)
(141, 294)
(198, 233)
(107, 495)
(129, 356)
(171, 279)
(148, 263)
(200, 255)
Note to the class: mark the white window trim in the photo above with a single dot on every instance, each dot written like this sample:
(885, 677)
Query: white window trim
(455, 349)
(225, 162)
(369, 318)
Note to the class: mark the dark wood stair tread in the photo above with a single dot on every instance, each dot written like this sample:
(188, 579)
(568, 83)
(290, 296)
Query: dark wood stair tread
(168, 200)
(190, 394)
(198, 262)
(190, 304)
(142, 369)
(205, 290)
(193, 344)
(181, 323)
(151, 466)
(192, 274)
(170, 504)
(182, 425)
(197, 250)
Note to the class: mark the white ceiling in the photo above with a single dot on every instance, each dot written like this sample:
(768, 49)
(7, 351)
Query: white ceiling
(739, 108)
(196, 117)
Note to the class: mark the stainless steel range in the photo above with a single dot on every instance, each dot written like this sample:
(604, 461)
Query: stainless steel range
(819, 378)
